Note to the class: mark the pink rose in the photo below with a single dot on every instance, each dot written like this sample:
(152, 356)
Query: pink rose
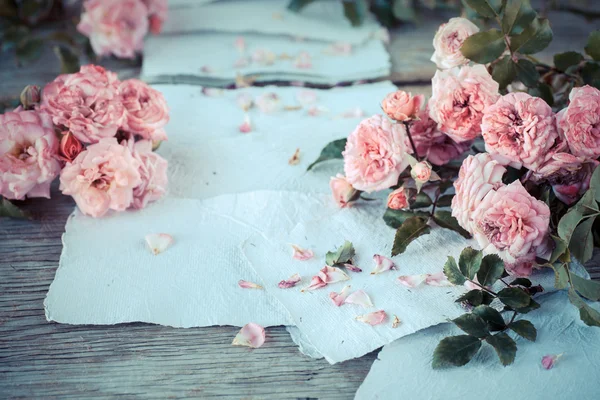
(398, 200)
(519, 129)
(146, 111)
(157, 13)
(513, 224)
(70, 147)
(86, 103)
(421, 171)
(115, 26)
(343, 192)
(478, 175)
(153, 171)
(28, 149)
(102, 178)
(402, 106)
(459, 97)
(448, 40)
(580, 122)
(433, 144)
(375, 154)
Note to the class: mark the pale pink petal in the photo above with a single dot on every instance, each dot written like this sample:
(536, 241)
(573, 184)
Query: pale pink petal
(207, 69)
(268, 102)
(359, 298)
(303, 61)
(332, 274)
(240, 44)
(246, 126)
(212, 92)
(291, 282)
(412, 281)
(241, 62)
(251, 335)
(295, 158)
(306, 96)
(244, 101)
(382, 264)
(315, 283)
(339, 49)
(315, 111)
(549, 360)
(353, 113)
(158, 242)
(302, 254)
(352, 268)
(374, 318)
(438, 279)
(339, 298)
(396, 322)
(249, 285)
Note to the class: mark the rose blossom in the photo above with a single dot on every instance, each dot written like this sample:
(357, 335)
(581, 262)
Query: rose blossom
(85, 103)
(519, 129)
(513, 224)
(397, 200)
(402, 106)
(70, 147)
(343, 192)
(375, 154)
(157, 14)
(478, 175)
(459, 97)
(580, 122)
(421, 171)
(102, 177)
(448, 40)
(153, 172)
(28, 148)
(115, 26)
(432, 144)
(146, 110)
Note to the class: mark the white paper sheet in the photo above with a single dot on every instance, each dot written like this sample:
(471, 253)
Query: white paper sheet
(333, 331)
(210, 59)
(403, 368)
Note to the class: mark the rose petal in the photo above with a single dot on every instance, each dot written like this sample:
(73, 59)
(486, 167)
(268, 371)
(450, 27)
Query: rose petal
(295, 158)
(438, 279)
(352, 268)
(303, 61)
(246, 126)
(396, 322)
(249, 285)
(549, 360)
(306, 96)
(251, 335)
(374, 318)
(354, 113)
(158, 242)
(412, 281)
(268, 102)
(207, 69)
(240, 44)
(382, 264)
(339, 298)
(315, 283)
(291, 282)
(315, 111)
(302, 254)
(212, 92)
(359, 298)
(244, 101)
(332, 274)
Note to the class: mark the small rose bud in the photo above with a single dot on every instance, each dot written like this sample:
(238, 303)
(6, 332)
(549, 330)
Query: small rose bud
(70, 147)
(421, 172)
(549, 360)
(402, 106)
(343, 192)
(397, 200)
(30, 96)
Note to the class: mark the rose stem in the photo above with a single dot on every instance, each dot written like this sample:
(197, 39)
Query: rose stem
(407, 125)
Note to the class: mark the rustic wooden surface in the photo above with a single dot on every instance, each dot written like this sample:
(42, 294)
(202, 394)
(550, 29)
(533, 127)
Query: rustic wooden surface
(41, 359)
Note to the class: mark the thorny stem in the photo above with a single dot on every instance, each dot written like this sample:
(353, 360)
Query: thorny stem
(484, 288)
(503, 281)
(437, 196)
(407, 125)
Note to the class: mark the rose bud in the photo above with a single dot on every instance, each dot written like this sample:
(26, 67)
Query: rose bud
(402, 106)
(30, 96)
(397, 200)
(343, 192)
(70, 147)
(421, 171)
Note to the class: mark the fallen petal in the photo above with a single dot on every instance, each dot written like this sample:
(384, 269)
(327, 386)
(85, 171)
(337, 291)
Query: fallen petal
(359, 298)
(306, 97)
(241, 62)
(295, 158)
(244, 101)
(339, 49)
(158, 242)
(291, 282)
(240, 44)
(251, 335)
(354, 113)
(438, 279)
(249, 285)
(207, 69)
(315, 111)
(263, 57)
(549, 360)
(339, 298)
(374, 318)
(412, 281)
(396, 322)
(212, 92)
(303, 61)
(315, 283)
(268, 102)
(246, 126)
(332, 274)
(302, 254)
(382, 264)
(351, 267)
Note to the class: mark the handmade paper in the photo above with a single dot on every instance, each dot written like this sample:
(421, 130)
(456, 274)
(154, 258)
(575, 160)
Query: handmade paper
(403, 368)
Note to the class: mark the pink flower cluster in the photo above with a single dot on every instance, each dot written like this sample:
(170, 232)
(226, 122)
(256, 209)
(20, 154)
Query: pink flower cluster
(118, 27)
(99, 131)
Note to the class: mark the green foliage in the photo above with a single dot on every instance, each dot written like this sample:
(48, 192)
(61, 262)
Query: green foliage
(469, 262)
(410, 230)
(585, 287)
(527, 73)
(446, 220)
(505, 347)
(476, 297)
(486, 8)
(514, 297)
(504, 72)
(524, 329)
(395, 218)
(491, 270)
(492, 317)
(341, 255)
(568, 59)
(588, 315)
(472, 325)
(452, 272)
(8, 209)
(422, 200)
(484, 47)
(534, 38)
(592, 48)
(333, 151)
(455, 351)
(355, 11)
(297, 5)
(69, 61)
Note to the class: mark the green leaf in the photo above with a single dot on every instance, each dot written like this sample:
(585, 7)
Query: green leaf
(476, 298)
(491, 316)
(297, 5)
(421, 201)
(544, 92)
(445, 201)
(588, 315)
(469, 262)
(491, 270)
(590, 73)
(595, 184)
(69, 61)
(486, 8)
(8, 209)
(355, 11)
(13, 35)
(592, 48)
(504, 72)
(505, 347)
(582, 241)
(484, 47)
(472, 324)
(395, 218)
(559, 248)
(533, 305)
(524, 329)
(569, 221)
(333, 151)
(341, 255)
(587, 288)
(404, 10)
(514, 297)
(522, 282)
(527, 73)
(534, 38)
(455, 351)
(446, 220)
(382, 9)
(29, 50)
(452, 272)
(517, 14)
(561, 277)
(563, 61)
(410, 230)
